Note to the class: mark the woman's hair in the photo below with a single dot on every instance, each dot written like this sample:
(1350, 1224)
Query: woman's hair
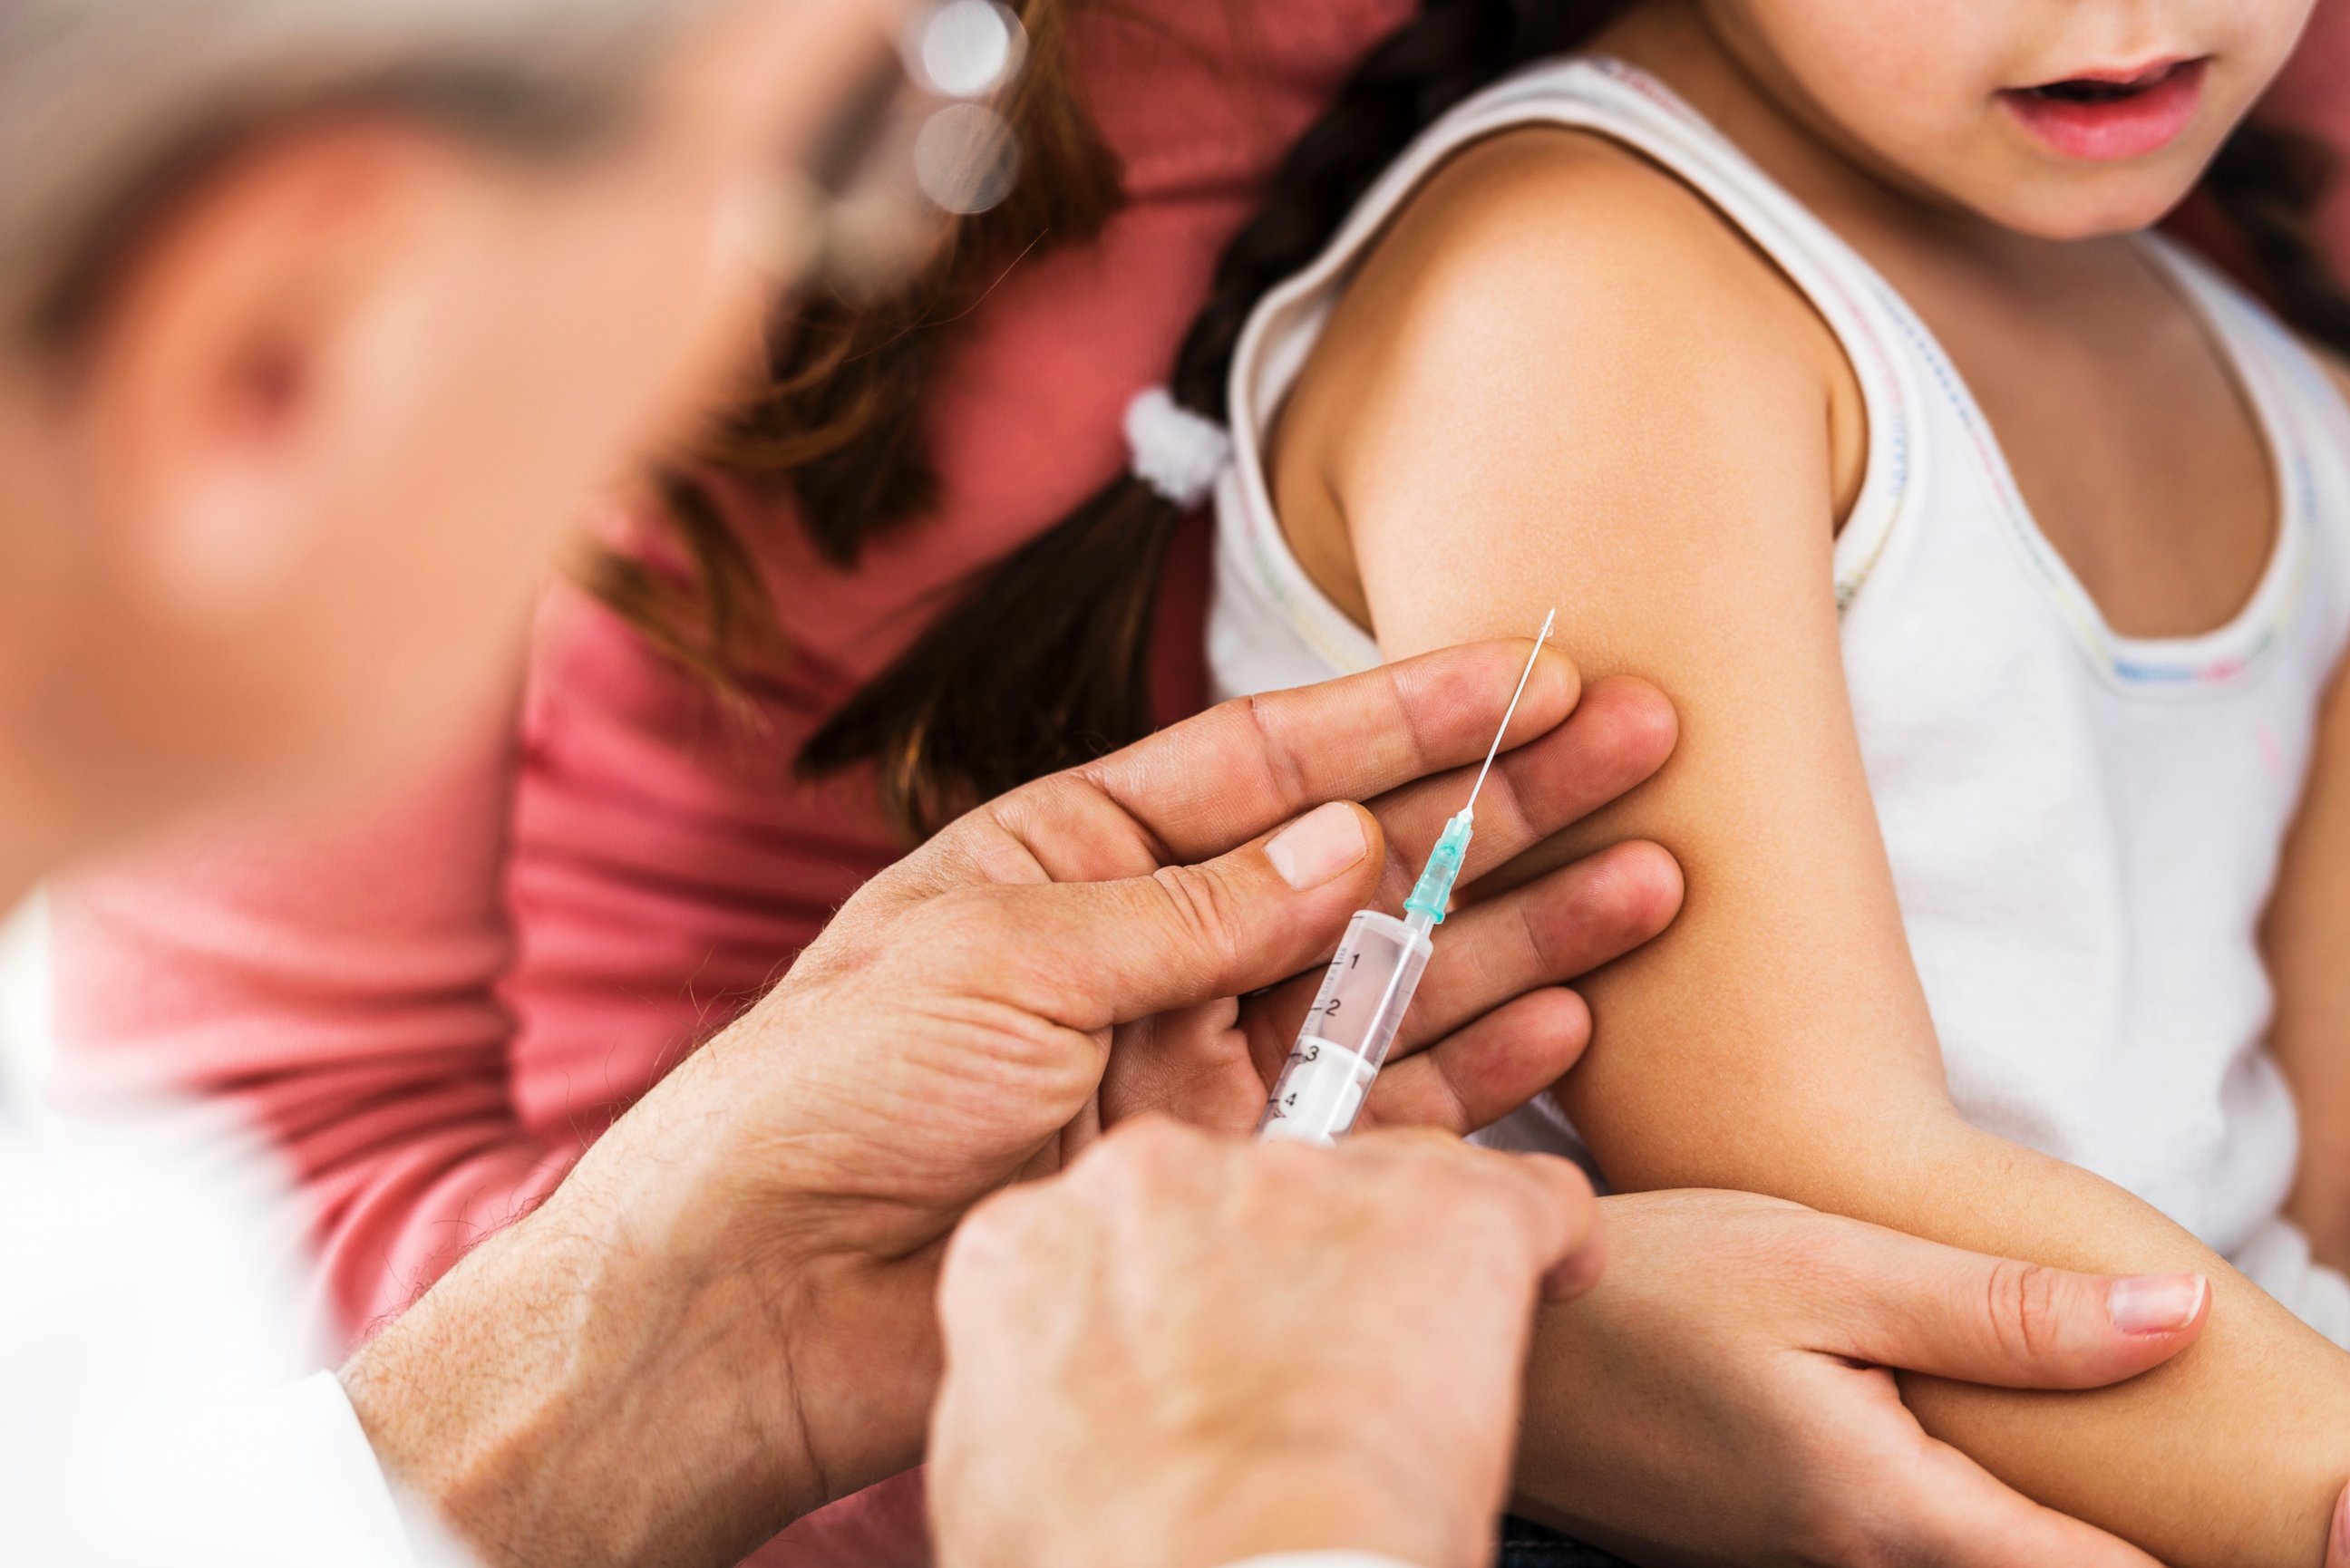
(111, 109)
(2266, 184)
(837, 425)
(1042, 662)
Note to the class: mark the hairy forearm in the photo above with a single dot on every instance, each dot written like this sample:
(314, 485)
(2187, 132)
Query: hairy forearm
(570, 1394)
(2230, 1455)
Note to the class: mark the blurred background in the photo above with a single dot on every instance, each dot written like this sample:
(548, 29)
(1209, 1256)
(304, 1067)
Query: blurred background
(24, 1011)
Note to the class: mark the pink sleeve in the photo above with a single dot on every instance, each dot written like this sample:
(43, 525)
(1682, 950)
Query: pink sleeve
(336, 988)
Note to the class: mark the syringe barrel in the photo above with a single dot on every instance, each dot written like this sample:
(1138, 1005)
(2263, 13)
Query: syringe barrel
(1364, 995)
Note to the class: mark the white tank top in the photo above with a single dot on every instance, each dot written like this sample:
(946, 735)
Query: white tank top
(2084, 827)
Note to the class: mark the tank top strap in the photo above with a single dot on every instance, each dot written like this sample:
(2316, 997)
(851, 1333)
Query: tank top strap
(2300, 403)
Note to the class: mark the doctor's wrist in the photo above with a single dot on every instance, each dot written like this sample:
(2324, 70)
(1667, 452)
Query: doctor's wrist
(571, 1392)
(829, 1299)
(1233, 1504)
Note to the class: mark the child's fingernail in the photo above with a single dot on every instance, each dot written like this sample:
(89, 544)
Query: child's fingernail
(1318, 845)
(2156, 1303)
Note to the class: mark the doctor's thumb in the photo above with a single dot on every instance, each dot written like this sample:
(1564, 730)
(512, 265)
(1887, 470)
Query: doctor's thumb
(1189, 934)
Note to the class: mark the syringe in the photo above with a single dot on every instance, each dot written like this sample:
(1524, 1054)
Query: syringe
(1371, 982)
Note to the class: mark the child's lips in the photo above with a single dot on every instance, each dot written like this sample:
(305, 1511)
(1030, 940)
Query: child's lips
(2104, 117)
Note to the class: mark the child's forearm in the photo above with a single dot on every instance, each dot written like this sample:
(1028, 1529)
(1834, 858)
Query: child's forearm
(2228, 1456)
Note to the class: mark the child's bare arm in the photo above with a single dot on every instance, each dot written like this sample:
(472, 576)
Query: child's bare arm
(1562, 380)
(2308, 939)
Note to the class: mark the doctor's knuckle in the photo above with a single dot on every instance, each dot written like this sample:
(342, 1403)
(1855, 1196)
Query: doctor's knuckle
(1203, 908)
(1268, 717)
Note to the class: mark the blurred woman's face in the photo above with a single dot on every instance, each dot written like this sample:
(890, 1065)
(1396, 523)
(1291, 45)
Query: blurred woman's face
(298, 548)
(598, 316)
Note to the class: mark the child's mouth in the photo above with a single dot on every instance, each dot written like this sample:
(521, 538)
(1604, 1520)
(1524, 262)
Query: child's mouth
(2106, 116)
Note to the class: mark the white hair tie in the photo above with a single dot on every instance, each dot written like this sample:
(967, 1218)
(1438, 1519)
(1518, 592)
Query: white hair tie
(1177, 452)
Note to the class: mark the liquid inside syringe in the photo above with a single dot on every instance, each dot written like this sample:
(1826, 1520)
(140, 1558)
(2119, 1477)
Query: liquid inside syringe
(1354, 1020)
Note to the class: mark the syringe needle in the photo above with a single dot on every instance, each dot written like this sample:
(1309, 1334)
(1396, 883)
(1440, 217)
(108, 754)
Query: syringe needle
(1373, 975)
(1496, 748)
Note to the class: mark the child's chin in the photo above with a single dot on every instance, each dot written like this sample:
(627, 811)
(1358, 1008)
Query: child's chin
(2116, 203)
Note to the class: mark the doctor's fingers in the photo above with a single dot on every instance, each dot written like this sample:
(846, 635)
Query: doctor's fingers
(1521, 944)
(1218, 779)
(1619, 734)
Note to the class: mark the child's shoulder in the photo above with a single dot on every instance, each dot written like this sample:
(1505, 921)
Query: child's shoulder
(1556, 268)
(1541, 202)
(1553, 235)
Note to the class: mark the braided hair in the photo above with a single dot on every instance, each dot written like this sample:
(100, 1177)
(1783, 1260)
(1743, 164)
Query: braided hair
(1042, 663)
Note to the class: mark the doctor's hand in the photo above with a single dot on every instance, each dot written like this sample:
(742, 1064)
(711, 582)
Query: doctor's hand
(1723, 1395)
(752, 1248)
(1190, 1351)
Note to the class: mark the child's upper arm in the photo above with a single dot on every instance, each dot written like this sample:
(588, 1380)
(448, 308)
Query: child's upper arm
(1564, 380)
